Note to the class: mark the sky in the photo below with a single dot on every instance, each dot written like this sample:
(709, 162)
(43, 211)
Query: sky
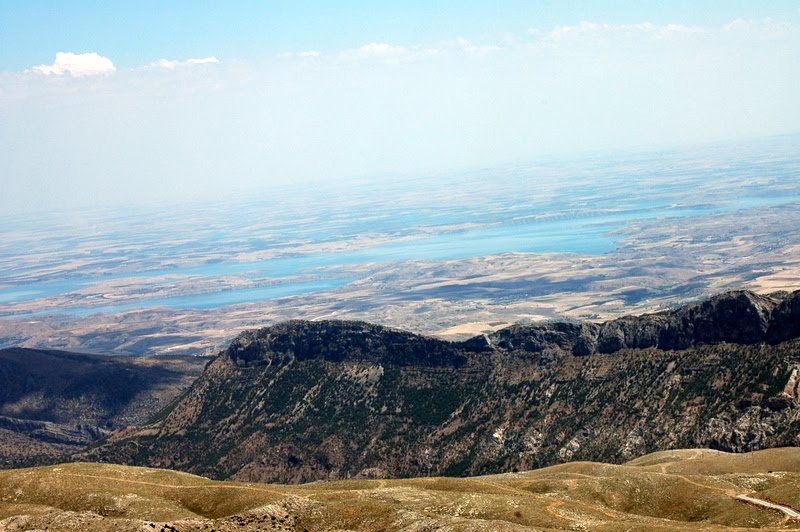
(108, 103)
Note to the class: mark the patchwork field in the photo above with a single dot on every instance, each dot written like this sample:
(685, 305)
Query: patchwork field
(589, 238)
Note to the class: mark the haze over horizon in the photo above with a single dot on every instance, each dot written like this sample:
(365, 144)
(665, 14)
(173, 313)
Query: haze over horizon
(109, 104)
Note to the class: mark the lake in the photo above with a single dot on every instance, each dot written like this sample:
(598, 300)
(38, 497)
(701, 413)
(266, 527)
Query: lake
(378, 225)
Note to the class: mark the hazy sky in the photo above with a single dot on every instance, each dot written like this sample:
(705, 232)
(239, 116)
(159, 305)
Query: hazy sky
(102, 103)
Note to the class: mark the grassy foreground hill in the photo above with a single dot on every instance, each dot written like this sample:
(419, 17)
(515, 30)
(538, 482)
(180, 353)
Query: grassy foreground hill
(331, 400)
(693, 489)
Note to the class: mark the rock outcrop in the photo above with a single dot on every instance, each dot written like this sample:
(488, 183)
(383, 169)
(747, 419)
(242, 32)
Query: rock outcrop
(738, 317)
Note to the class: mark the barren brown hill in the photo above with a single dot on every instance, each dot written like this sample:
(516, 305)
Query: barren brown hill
(695, 489)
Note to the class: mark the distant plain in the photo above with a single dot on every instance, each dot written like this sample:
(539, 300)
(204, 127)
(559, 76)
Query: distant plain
(452, 255)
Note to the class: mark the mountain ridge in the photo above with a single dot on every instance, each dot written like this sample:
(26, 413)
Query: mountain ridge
(302, 401)
(737, 317)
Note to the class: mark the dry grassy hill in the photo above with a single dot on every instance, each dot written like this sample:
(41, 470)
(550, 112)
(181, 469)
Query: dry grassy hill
(692, 489)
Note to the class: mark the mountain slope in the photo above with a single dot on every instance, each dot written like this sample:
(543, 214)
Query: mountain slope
(53, 403)
(305, 401)
(694, 489)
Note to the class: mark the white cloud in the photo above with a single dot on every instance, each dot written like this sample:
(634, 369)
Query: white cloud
(479, 49)
(586, 28)
(172, 64)
(78, 64)
(304, 54)
(560, 32)
(389, 53)
(381, 50)
(202, 60)
(764, 26)
(682, 28)
(736, 24)
(165, 63)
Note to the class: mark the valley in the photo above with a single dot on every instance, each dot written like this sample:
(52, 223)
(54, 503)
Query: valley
(55, 403)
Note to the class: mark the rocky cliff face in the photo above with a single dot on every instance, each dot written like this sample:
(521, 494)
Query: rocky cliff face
(305, 401)
(736, 317)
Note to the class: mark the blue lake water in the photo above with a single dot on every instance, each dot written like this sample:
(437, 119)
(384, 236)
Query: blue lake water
(207, 300)
(579, 231)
